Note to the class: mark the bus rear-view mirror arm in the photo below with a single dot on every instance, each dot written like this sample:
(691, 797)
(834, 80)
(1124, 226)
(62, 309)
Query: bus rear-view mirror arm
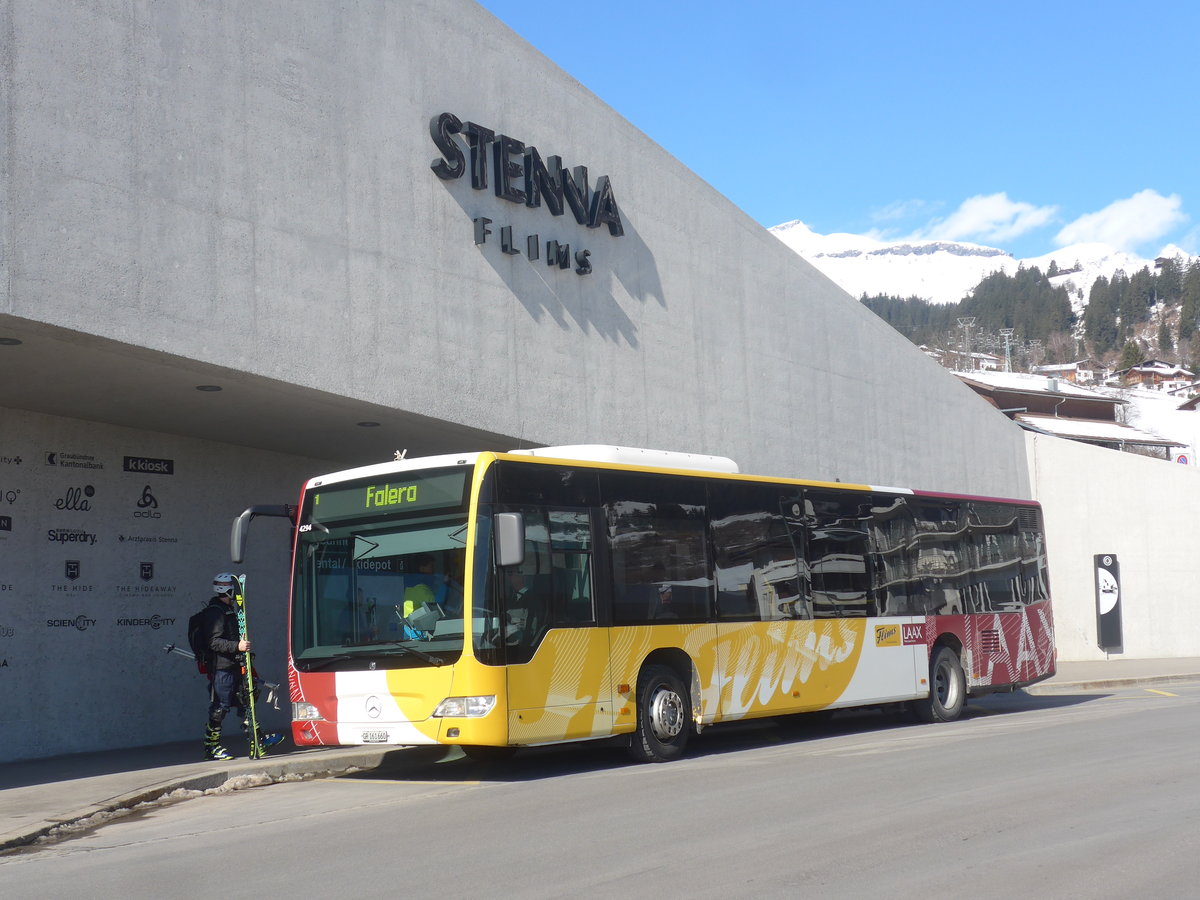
(241, 525)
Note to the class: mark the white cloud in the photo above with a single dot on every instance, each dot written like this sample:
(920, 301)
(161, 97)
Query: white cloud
(990, 218)
(1190, 242)
(1126, 224)
(901, 209)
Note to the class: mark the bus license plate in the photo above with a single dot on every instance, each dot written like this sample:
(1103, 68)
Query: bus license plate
(374, 737)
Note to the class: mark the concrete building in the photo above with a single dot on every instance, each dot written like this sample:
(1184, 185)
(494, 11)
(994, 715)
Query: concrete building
(241, 244)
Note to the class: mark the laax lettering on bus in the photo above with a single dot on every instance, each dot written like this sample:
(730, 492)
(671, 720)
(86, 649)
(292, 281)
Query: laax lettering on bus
(391, 496)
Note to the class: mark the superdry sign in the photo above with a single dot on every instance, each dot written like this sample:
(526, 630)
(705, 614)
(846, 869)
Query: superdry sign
(519, 174)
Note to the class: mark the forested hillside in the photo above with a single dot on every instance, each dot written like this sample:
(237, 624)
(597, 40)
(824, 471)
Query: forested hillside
(1146, 314)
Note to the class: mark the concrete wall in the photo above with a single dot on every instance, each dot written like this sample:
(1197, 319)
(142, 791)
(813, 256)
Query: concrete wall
(1143, 511)
(249, 184)
(82, 623)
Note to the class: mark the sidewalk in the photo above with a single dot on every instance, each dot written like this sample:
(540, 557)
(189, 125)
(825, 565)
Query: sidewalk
(37, 797)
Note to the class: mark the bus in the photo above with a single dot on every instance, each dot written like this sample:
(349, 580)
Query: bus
(496, 600)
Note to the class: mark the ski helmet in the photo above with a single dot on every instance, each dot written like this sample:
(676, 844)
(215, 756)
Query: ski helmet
(223, 585)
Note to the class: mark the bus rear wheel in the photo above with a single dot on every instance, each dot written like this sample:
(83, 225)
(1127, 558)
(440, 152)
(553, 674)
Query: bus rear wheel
(664, 716)
(947, 688)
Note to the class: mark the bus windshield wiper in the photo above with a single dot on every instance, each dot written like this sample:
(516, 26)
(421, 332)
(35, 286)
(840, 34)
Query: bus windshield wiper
(321, 662)
(403, 645)
(419, 654)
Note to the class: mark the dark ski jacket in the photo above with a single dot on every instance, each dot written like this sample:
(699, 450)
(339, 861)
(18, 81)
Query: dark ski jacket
(220, 624)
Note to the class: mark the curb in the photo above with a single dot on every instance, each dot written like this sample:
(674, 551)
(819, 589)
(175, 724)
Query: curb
(1070, 687)
(310, 764)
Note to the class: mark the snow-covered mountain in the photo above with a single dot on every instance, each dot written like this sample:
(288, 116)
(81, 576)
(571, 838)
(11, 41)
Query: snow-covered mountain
(946, 271)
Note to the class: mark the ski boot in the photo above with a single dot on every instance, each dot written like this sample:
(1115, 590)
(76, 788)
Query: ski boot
(265, 741)
(212, 745)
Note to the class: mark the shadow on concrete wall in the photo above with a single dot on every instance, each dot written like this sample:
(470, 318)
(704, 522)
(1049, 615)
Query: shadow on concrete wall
(570, 299)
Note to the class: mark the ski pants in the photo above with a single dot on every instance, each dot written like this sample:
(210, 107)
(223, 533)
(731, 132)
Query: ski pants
(224, 689)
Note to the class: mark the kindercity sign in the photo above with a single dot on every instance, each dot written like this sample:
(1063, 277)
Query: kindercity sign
(520, 175)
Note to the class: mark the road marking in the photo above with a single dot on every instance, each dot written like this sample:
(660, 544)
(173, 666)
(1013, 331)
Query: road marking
(1163, 693)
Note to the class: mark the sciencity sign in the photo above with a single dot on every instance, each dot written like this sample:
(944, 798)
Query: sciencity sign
(520, 175)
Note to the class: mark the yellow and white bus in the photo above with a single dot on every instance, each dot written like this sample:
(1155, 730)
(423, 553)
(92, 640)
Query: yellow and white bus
(503, 600)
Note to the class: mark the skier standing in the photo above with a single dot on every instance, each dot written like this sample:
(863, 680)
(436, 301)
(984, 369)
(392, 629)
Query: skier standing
(224, 666)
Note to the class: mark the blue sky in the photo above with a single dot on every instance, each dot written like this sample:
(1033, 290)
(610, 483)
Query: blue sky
(1023, 125)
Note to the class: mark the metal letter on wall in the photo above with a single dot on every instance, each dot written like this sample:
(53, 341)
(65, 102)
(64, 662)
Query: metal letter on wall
(1108, 602)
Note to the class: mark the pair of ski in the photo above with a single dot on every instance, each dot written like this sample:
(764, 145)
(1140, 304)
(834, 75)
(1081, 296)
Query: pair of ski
(257, 750)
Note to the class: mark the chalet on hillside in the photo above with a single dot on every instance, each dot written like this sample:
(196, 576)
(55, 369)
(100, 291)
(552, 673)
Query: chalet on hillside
(1155, 375)
(1057, 407)
(1083, 371)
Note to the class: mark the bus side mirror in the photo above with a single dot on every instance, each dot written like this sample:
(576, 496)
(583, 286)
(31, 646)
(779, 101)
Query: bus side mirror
(241, 526)
(509, 531)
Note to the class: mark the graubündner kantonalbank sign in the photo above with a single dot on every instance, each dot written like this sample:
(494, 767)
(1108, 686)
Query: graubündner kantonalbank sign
(520, 175)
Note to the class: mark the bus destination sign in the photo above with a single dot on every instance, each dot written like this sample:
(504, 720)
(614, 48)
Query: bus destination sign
(409, 494)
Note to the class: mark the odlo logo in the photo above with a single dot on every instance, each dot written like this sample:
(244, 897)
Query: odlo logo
(147, 506)
(74, 499)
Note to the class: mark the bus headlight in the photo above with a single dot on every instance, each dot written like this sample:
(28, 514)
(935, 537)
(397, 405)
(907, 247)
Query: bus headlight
(464, 707)
(306, 712)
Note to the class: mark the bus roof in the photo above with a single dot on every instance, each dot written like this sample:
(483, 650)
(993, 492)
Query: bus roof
(608, 455)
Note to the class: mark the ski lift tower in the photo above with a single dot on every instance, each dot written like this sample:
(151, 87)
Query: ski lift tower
(966, 323)
(1007, 334)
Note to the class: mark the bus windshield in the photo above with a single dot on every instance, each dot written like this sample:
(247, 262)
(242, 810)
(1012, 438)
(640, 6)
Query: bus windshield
(379, 572)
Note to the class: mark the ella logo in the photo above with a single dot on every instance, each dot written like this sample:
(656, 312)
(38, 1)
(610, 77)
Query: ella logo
(74, 499)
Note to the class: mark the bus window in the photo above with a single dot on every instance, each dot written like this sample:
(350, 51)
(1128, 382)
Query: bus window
(759, 573)
(1034, 587)
(940, 555)
(657, 546)
(571, 566)
(899, 589)
(552, 587)
(837, 530)
(995, 544)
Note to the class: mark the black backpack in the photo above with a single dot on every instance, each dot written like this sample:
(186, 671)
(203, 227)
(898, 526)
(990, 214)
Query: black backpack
(197, 635)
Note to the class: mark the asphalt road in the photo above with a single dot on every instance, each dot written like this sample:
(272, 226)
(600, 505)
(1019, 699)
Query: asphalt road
(1088, 795)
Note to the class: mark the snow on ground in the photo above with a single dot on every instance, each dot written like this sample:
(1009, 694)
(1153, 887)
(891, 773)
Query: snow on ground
(1159, 413)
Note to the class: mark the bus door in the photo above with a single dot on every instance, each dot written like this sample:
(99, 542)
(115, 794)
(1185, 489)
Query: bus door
(559, 683)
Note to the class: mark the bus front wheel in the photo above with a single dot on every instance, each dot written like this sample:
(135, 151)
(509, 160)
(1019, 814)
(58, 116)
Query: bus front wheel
(664, 716)
(947, 688)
